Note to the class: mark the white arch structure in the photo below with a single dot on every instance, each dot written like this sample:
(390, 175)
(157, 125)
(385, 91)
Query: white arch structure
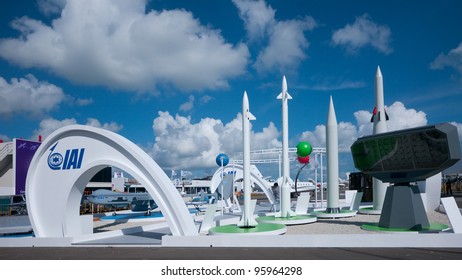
(255, 177)
(69, 158)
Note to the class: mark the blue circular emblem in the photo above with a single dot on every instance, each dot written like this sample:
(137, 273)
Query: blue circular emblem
(55, 160)
(222, 159)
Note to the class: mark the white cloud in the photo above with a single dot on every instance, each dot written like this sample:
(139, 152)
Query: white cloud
(452, 59)
(316, 138)
(257, 17)
(118, 45)
(400, 118)
(182, 144)
(361, 33)
(47, 126)
(112, 126)
(49, 7)
(28, 96)
(188, 105)
(363, 121)
(286, 41)
(84, 101)
(205, 99)
(287, 45)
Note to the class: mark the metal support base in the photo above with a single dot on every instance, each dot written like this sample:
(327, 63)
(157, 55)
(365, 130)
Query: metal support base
(403, 208)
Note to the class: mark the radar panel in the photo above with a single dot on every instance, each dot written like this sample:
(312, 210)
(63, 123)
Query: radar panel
(407, 155)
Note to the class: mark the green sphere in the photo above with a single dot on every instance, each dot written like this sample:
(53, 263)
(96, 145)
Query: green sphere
(304, 149)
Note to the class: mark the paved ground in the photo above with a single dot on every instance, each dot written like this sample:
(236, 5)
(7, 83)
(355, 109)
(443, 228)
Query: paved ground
(131, 253)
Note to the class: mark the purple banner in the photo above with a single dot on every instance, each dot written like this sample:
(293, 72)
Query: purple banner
(25, 150)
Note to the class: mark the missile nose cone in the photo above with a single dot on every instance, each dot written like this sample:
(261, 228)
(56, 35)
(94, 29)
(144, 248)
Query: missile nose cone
(378, 73)
(331, 117)
(245, 98)
(245, 108)
(284, 95)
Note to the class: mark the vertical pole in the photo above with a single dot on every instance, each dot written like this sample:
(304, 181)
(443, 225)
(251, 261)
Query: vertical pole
(316, 165)
(322, 183)
(279, 164)
(222, 196)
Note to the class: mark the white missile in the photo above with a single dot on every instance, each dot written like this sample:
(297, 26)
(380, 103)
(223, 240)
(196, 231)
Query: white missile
(332, 160)
(247, 219)
(379, 118)
(379, 115)
(285, 186)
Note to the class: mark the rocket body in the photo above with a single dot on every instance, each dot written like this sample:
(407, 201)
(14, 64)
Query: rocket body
(332, 160)
(285, 187)
(379, 116)
(379, 119)
(247, 218)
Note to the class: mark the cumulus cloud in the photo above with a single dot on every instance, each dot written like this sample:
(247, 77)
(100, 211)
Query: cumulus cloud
(287, 45)
(112, 126)
(181, 143)
(47, 126)
(453, 59)
(258, 17)
(49, 7)
(361, 33)
(118, 45)
(400, 118)
(404, 118)
(28, 96)
(286, 41)
(317, 137)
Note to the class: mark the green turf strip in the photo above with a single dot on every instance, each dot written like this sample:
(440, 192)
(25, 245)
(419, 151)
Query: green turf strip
(432, 227)
(256, 229)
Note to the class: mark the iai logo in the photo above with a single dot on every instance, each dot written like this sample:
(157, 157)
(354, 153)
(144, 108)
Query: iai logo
(72, 159)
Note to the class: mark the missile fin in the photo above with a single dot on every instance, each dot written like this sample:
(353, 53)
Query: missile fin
(287, 95)
(374, 112)
(250, 116)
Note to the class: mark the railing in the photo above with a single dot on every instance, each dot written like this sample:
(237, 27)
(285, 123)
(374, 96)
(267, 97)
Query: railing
(6, 150)
(275, 151)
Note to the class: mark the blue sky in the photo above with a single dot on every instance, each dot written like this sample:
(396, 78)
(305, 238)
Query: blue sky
(169, 75)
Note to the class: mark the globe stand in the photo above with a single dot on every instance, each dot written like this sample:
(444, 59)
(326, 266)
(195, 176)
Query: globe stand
(304, 149)
(334, 214)
(259, 229)
(292, 220)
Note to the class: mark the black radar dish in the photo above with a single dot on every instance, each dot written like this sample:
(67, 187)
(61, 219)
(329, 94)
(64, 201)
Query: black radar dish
(407, 155)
